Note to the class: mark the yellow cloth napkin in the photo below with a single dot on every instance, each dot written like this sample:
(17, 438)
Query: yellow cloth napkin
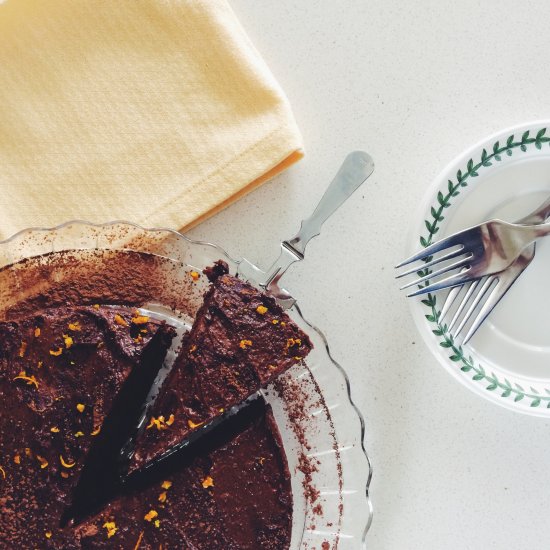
(158, 112)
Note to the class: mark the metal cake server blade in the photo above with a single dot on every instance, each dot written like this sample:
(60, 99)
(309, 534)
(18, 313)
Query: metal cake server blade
(188, 446)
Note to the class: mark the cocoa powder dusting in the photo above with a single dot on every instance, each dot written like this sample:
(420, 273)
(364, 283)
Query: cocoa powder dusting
(301, 396)
(94, 276)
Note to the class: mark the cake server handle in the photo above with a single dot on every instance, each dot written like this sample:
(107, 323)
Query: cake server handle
(355, 170)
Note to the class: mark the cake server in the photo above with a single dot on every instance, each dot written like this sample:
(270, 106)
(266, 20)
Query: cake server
(354, 171)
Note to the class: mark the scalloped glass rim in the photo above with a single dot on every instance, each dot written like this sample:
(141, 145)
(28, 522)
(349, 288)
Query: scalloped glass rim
(343, 420)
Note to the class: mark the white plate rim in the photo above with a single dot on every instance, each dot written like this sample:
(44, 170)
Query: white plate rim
(500, 390)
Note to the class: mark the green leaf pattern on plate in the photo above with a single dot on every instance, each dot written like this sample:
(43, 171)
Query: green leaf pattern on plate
(456, 352)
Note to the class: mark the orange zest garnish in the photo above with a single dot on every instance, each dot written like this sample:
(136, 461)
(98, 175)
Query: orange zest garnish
(244, 343)
(157, 523)
(3, 472)
(68, 341)
(293, 342)
(139, 540)
(66, 464)
(43, 461)
(192, 348)
(155, 422)
(40, 363)
(80, 407)
(193, 425)
(139, 319)
(57, 352)
(166, 485)
(111, 528)
(54, 429)
(160, 422)
(37, 332)
(64, 475)
(194, 275)
(22, 349)
(29, 379)
(162, 497)
(75, 326)
(119, 320)
(96, 306)
(207, 482)
(150, 516)
(275, 321)
(96, 431)
(48, 534)
(17, 459)
(79, 434)
(261, 310)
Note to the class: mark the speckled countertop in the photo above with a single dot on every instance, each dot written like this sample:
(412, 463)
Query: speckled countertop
(414, 84)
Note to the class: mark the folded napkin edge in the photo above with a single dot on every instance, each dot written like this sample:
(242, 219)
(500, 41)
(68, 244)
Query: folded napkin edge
(259, 162)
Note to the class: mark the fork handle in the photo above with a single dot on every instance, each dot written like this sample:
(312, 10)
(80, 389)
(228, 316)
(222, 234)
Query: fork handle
(537, 216)
(536, 231)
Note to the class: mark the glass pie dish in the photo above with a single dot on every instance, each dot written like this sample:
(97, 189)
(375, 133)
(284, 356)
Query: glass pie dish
(119, 262)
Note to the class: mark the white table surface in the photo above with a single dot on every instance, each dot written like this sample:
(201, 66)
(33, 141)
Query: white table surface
(412, 83)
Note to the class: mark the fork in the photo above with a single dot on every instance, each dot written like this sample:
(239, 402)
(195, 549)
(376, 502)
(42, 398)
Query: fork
(481, 250)
(504, 280)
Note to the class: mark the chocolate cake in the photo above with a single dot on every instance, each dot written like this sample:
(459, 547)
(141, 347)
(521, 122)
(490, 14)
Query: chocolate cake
(73, 381)
(231, 493)
(240, 341)
(60, 374)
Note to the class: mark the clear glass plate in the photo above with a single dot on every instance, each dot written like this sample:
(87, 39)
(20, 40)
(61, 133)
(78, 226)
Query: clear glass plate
(321, 428)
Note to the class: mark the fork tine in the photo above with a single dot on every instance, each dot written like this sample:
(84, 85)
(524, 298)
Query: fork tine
(494, 298)
(454, 280)
(435, 261)
(452, 240)
(462, 262)
(484, 289)
(450, 300)
(463, 304)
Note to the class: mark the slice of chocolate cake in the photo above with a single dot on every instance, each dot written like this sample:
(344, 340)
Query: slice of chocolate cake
(60, 372)
(240, 341)
(232, 492)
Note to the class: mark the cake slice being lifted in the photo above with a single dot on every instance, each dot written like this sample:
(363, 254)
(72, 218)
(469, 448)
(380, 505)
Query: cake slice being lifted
(240, 341)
